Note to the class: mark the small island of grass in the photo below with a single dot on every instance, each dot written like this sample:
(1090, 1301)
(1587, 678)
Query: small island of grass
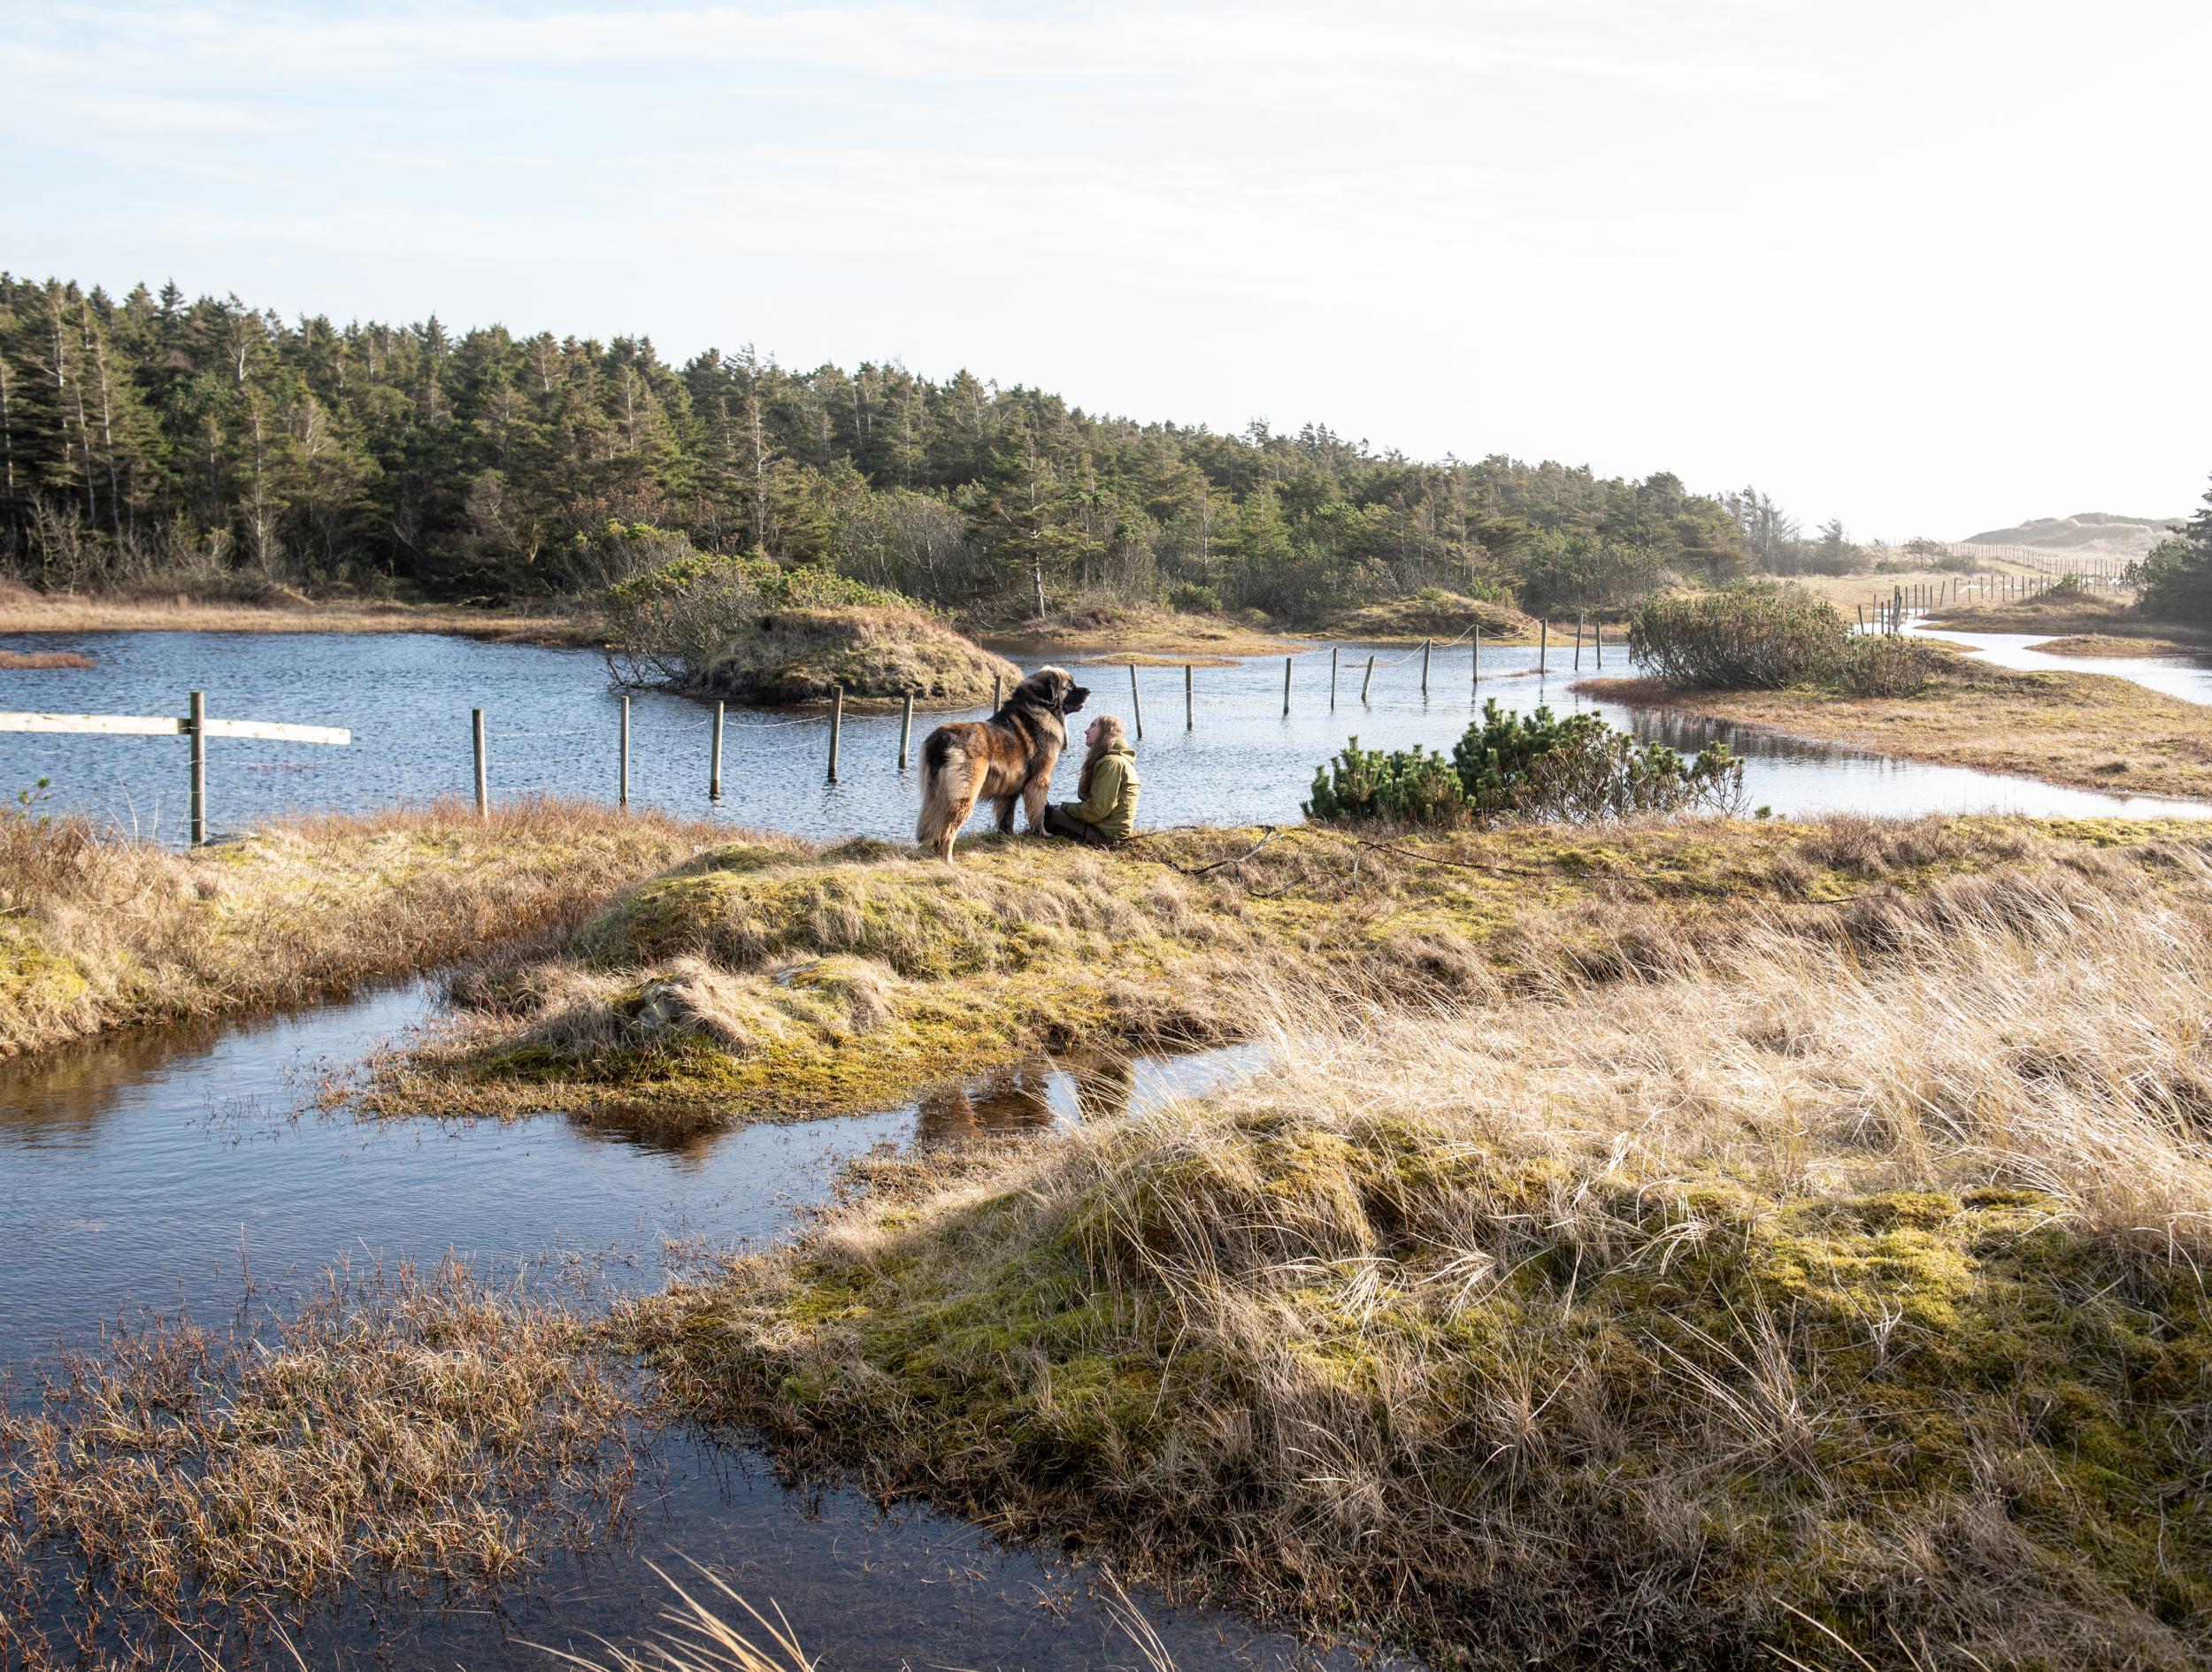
(747, 629)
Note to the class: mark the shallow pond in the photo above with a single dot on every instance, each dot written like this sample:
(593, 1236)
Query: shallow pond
(2188, 677)
(552, 719)
(145, 1172)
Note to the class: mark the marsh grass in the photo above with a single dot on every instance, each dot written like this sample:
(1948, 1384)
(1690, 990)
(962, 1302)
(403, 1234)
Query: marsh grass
(99, 931)
(747, 983)
(1840, 1277)
(177, 1484)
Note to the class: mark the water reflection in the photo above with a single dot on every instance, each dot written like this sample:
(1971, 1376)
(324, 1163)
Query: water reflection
(1030, 1096)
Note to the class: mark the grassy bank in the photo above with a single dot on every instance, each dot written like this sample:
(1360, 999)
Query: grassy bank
(99, 932)
(2113, 644)
(1109, 629)
(765, 983)
(1435, 614)
(24, 611)
(2067, 612)
(2093, 730)
(1639, 1295)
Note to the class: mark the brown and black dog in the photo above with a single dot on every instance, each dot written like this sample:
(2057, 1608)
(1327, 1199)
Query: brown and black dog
(1007, 758)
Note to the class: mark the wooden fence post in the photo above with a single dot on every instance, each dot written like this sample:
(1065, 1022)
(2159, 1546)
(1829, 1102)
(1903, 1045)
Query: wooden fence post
(1577, 641)
(837, 725)
(622, 783)
(996, 680)
(1601, 647)
(1286, 687)
(1478, 678)
(1370, 679)
(1136, 702)
(1425, 646)
(714, 756)
(1190, 709)
(1543, 645)
(483, 794)
(1332, 654)
(906, 729)
(198, 805)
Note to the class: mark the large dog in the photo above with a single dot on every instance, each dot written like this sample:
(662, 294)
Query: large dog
(1007, 758)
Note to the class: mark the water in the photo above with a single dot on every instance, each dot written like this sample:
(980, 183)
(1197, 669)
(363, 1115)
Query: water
(2188, 677)
(552, 721)
(141, 1171)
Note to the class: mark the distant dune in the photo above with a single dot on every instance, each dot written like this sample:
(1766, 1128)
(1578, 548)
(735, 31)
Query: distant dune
(2088, 533)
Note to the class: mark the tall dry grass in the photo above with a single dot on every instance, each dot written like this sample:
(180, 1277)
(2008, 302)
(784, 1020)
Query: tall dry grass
(97, 930)
(1841, 1274)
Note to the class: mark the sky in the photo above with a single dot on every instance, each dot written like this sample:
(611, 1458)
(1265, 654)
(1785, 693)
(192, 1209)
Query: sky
(1929, 267)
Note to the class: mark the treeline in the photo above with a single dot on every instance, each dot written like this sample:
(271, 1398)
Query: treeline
(158, 437)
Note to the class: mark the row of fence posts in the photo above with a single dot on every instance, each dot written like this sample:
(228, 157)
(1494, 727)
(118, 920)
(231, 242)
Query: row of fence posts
(1922, 596)
(906, 715)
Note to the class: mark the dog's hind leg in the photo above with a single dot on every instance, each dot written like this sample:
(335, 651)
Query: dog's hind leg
(1004, 807)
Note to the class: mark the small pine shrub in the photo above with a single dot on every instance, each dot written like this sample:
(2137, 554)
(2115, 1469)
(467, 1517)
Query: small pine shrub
(1401, 787)
(1524, 766)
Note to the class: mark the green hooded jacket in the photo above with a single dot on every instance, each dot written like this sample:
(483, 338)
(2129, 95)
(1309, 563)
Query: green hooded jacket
(1112, 803)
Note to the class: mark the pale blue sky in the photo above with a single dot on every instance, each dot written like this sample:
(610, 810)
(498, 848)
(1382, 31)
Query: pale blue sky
(1929, 266)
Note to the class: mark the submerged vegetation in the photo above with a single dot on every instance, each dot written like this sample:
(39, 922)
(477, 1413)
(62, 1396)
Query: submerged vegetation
(1530, 766)
(1676, 1299)
(397, 1432)
(98, 932)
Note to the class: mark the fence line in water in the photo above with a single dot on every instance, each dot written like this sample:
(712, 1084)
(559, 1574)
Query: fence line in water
(484, 738)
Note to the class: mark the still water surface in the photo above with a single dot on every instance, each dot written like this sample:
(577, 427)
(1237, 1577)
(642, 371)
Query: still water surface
(142, 1172)
(552, 719)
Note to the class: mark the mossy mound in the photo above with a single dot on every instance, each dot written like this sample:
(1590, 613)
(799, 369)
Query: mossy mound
(1432, 613)
(1714, 1312)
(878, 655)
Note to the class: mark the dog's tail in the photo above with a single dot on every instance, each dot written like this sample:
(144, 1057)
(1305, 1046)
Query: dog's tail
(944, 763)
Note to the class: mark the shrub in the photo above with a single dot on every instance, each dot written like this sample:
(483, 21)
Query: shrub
(1188, 598)
(1757, 638)
(666, 624)
(1885, 666)
(1533, 765)
(1401, 787)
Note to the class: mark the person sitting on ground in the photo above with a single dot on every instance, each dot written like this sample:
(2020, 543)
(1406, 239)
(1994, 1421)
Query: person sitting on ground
(1107, 811)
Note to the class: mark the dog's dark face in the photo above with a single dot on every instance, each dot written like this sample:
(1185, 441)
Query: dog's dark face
(1051, 688)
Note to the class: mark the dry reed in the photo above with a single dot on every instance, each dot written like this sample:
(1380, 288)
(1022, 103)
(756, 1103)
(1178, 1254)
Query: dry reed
(392, 1431)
